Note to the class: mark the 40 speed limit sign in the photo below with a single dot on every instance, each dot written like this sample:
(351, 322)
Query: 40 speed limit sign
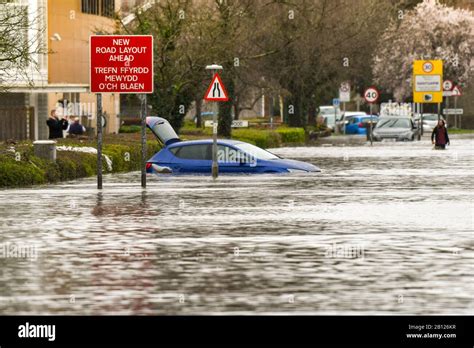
(371, 95)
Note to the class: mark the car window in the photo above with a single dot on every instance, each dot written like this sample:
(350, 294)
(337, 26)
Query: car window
(228, 154)
(394, 123)
(256, 152)
(194, 152)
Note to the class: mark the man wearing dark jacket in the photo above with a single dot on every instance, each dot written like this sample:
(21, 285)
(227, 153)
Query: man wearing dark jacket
(439, 136)
(56, 125)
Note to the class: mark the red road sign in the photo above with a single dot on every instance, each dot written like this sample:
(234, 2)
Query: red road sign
(121, 64)
(448, 85)
(456, 92)
(216, 90)
(371, 95)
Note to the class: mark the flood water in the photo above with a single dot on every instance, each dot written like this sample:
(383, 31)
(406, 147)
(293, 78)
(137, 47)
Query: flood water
(386, 229)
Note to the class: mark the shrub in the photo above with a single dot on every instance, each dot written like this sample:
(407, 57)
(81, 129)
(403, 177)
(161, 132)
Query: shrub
(291, 135)
(19, 173)
(130, 129)
(260, 138)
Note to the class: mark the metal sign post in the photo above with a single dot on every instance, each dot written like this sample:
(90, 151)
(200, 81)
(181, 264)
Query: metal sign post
(456, 116)
(121, 64)
(420, 124)
(447, 92)
(335, 103)
(371, 126)
(216, 92)
(447, 107)
(371, 95)
(143, 136)
(99, 140)
(215, 165)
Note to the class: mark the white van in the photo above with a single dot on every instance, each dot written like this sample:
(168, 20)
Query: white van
(331, 115)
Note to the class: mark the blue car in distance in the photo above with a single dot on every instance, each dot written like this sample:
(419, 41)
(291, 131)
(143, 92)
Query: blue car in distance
(195, 156)
(358, 124)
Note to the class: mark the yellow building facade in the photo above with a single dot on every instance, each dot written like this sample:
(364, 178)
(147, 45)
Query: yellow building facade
(58, 78)
(70, 24)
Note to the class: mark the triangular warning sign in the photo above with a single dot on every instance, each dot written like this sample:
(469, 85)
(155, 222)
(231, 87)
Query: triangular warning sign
(456, 92)
(216, 90)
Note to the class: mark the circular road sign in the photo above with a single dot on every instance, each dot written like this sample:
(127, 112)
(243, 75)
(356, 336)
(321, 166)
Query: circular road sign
(345, 87)
(427, 67)
(371, 95)
(448, 85)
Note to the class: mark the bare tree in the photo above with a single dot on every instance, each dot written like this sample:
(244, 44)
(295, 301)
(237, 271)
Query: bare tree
(21, 42)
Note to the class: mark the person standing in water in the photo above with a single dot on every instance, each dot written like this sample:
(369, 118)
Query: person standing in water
(439, 136)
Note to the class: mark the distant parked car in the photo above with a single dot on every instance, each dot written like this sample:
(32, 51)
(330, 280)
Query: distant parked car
(359, 124)
(331, 115)
(429, 121)
(395, 128)
(346, 117)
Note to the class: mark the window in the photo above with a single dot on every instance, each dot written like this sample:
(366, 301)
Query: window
(108, 8)
(90, 6)
(255, 152)
(194, 152)
(394, 123)
(104, 8)
(226, 154)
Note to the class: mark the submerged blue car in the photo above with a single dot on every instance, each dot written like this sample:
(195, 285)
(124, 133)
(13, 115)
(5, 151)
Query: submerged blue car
(195, 156)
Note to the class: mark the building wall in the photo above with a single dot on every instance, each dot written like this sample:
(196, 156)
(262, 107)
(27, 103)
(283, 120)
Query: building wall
(69, 57)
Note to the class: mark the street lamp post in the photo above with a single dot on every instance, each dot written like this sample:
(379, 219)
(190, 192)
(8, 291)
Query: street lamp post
(215, 169)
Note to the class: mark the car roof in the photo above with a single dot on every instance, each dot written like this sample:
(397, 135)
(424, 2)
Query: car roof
(205, 141)
(354, 113)
(397, 117)
(364, 116)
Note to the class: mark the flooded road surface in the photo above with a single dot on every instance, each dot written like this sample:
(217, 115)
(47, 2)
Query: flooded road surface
(387, 229)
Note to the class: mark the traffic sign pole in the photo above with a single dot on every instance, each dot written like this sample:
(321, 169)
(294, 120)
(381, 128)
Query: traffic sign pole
(420, 122)
(371, 95)
(99, 140)
(143, 136)
(447, 107)
(215, 165)
(456, 116)
(121, 64)
(371, 129)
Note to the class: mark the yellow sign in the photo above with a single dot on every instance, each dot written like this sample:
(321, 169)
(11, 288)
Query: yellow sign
(428, 81)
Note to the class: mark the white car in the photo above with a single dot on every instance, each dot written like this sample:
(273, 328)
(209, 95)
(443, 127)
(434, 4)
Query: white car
(429, 121)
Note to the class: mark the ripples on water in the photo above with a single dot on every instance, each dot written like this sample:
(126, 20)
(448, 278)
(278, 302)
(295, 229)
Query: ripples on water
(386, 229)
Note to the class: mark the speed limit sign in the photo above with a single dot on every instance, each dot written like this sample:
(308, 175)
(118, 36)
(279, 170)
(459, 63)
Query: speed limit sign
(371, 95)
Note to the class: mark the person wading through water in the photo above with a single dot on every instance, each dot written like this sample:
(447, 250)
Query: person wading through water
(56, 125)
(439, 136)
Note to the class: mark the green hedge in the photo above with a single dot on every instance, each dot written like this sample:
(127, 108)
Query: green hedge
(261, 138)
(267, 138)
(13, 173)
(70, 165)
(130, 129)
(291, 135)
